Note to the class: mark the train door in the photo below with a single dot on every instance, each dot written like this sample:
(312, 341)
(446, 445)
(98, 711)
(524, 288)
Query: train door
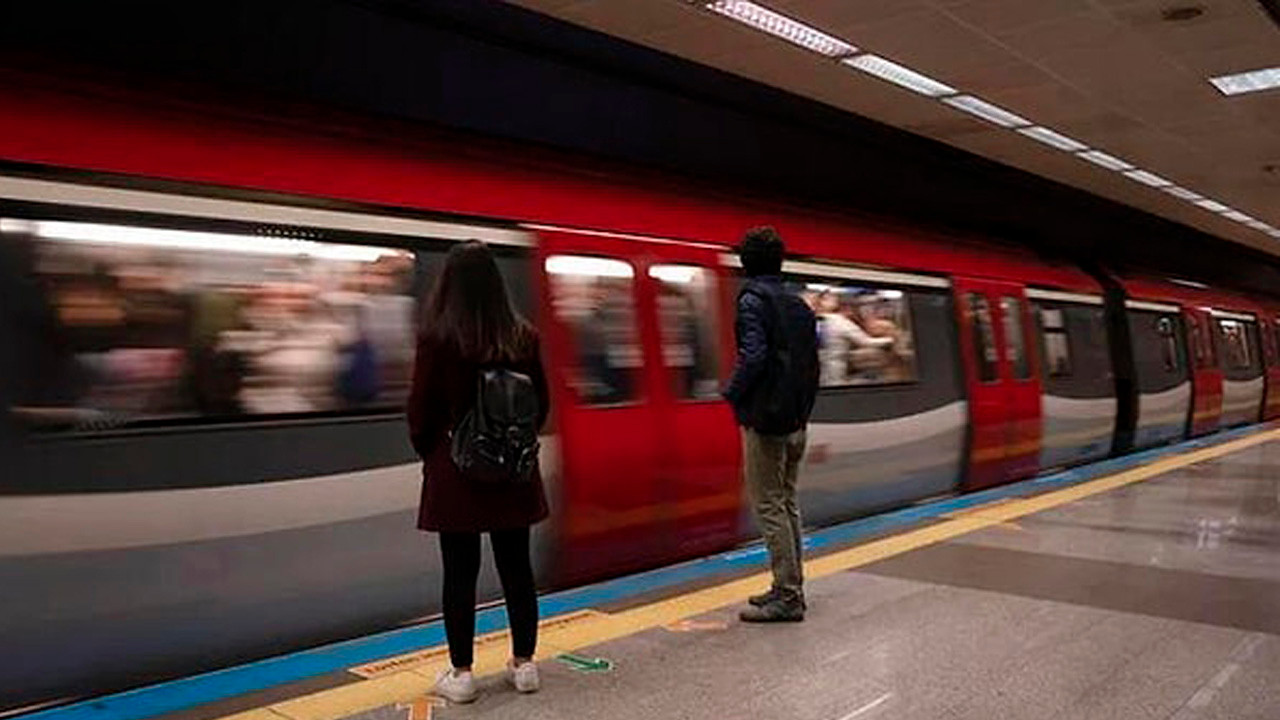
(603, 402)
(1164, 368)
(1004, 388)
(699, 448)
(1269, 328)
(649, 451)
(1243, 367)
(1206, 372)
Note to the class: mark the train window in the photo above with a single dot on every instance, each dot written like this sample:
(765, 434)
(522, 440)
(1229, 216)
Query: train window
(593, 298)
(1277, 337)
(1011, 308)
(1202, 349)
(687, 311)
(164, 324)
(1168, 343)
(1210, 347)
(984, 337)
(1270, 350)
(1235, 338)
(864, 333)
(1057, 347)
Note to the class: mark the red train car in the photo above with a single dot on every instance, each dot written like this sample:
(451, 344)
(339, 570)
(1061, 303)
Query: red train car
(948, 364)
(1211, 370)
(1269, 328)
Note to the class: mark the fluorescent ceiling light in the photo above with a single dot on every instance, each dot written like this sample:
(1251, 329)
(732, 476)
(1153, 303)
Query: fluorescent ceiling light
(900, 75)
(204, 241)
(780, 26)
(1247, 82)
(588, 266)
(1182, 193)
(1237, 216)
(1258, 225)
(1053, 139)
(1110, 162)
(1274, 233)
(1147, 178)
(1212, 205)
(985, 110)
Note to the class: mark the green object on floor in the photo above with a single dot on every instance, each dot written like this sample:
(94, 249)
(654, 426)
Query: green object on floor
(585, 664)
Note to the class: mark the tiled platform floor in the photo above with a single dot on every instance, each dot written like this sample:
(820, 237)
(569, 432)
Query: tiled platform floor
(1159, 599)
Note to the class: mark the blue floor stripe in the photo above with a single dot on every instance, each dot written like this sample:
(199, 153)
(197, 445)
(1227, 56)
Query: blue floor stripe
(189, 692)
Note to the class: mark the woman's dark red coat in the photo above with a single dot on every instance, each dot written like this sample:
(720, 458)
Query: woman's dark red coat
(444, 388)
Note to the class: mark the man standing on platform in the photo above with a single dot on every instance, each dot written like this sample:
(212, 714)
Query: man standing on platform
(774, 383)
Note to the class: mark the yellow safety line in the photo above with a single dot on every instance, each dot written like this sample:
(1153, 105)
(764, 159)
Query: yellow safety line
(594, 628)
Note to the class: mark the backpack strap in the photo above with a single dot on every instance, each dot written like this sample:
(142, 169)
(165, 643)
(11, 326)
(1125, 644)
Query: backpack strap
(769, 296)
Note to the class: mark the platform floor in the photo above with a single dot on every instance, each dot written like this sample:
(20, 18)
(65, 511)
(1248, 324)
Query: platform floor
(1159, 599)
(1151, 593)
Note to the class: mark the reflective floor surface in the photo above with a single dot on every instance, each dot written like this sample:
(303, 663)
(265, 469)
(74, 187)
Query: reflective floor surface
(1160, 599)
(1151, 593)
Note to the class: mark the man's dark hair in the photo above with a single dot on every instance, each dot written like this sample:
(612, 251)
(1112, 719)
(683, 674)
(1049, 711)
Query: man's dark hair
(761, 252)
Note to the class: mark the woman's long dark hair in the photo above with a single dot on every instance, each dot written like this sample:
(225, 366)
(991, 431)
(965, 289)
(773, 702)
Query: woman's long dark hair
(469, 308)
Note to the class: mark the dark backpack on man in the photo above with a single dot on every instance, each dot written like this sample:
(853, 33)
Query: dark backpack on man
(496, 442)
(782, 401)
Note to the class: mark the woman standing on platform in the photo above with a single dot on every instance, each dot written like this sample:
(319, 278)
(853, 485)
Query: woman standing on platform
(469, 324)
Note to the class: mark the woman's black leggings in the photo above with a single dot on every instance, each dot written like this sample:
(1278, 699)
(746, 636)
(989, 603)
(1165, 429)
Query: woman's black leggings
(461, 554)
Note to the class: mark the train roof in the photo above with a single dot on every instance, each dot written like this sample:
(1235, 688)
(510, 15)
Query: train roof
(427, 172)
(1190, 294)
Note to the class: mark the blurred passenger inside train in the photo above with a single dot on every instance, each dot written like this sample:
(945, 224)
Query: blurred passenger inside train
(38, 373)
(389, 319)
(600, 310)
(848, 351)
(167, 323)
(682, 344)
(470, 323)
(884, 314)
(292, 347)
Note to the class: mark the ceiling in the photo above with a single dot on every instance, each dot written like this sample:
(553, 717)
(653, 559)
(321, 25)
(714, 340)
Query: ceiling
(1112, 74)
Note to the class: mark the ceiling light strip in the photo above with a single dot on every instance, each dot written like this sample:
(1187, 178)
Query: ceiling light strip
(1212, 205)
(811, 38)
(900, 75)
(991, 113)
(1247, 82)
(780, 26)
(1053, 138)
(1147, 178)
(1182, 193)
(1110, 162)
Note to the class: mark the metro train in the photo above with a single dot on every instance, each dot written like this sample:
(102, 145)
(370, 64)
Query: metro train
(204, 484)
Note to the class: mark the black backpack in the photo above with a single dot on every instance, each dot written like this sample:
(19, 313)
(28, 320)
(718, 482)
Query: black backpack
(782, 401)
(496, 442)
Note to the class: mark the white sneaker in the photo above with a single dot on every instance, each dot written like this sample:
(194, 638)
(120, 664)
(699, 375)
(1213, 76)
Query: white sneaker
(456, 685)
(524, 676)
